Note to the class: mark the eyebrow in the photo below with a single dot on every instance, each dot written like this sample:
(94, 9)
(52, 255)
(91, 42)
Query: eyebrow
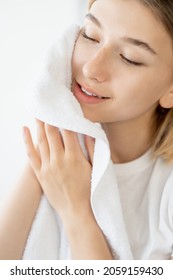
(93, 19)
(141, 44)
(129, 40)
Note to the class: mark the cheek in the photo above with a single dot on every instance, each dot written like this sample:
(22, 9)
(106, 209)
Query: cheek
(81, 55)
(134, 98)
(143, 89)
(78, 57)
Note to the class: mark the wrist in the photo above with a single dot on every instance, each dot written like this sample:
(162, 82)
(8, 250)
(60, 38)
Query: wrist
(78, 221)
(86, 239)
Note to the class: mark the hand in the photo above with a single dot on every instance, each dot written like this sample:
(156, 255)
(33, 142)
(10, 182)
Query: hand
(61, 168)
(65, 177)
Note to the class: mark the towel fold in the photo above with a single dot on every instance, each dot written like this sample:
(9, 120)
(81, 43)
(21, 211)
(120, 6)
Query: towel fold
(54, 103)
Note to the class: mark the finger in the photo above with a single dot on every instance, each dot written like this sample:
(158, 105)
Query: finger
(89, 143)
(55, 142)
(43, 145)
(31, 150)
(71, 141)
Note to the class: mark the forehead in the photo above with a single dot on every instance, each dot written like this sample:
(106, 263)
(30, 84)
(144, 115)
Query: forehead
(131, 18)
(132, 12)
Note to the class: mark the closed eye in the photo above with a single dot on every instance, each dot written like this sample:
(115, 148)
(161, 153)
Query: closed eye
(131, 62)
(87, 37)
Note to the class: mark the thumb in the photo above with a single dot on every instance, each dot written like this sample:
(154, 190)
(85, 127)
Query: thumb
(89, 143)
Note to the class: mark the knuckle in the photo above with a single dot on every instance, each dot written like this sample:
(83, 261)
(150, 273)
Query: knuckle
(75, 162)
(41, 139)
(45, 172)
(55, 162)
(29, 154)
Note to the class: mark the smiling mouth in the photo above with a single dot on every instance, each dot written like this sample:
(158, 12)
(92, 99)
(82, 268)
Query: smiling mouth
(87, 96)
(92, 95)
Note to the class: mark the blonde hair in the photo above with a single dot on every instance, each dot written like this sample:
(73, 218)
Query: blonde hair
(163, 127)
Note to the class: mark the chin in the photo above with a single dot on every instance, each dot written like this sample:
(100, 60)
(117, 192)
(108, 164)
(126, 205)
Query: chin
(91, 117)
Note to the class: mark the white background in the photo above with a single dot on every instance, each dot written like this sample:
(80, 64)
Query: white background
(27, 30)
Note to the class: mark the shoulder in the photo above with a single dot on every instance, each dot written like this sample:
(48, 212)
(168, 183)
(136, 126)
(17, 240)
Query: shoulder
(166, 172)
(164, 169)
(162, 180)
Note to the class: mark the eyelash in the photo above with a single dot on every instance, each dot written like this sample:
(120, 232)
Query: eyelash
(130, 61)
(88, 38)
(127, 61)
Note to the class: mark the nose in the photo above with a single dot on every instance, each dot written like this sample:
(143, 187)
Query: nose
(98, 67)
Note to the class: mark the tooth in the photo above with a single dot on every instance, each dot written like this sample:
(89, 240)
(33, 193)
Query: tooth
(90, 94)
(86, 92)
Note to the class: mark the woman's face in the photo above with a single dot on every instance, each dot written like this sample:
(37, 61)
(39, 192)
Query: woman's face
(122, 62)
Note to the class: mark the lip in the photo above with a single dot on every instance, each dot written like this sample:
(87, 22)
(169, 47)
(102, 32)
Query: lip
(82, 97)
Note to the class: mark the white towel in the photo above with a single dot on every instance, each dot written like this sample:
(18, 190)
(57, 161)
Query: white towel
(55, 104)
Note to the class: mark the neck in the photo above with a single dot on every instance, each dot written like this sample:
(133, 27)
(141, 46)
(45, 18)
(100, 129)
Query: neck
(128, 141)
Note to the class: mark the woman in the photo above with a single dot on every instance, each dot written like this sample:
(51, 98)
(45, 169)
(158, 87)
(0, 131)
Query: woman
(123, 78)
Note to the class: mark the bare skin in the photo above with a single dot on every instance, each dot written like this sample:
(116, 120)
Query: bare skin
(51, 154)
(135, 78)
(57, 168)
(18, 215)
